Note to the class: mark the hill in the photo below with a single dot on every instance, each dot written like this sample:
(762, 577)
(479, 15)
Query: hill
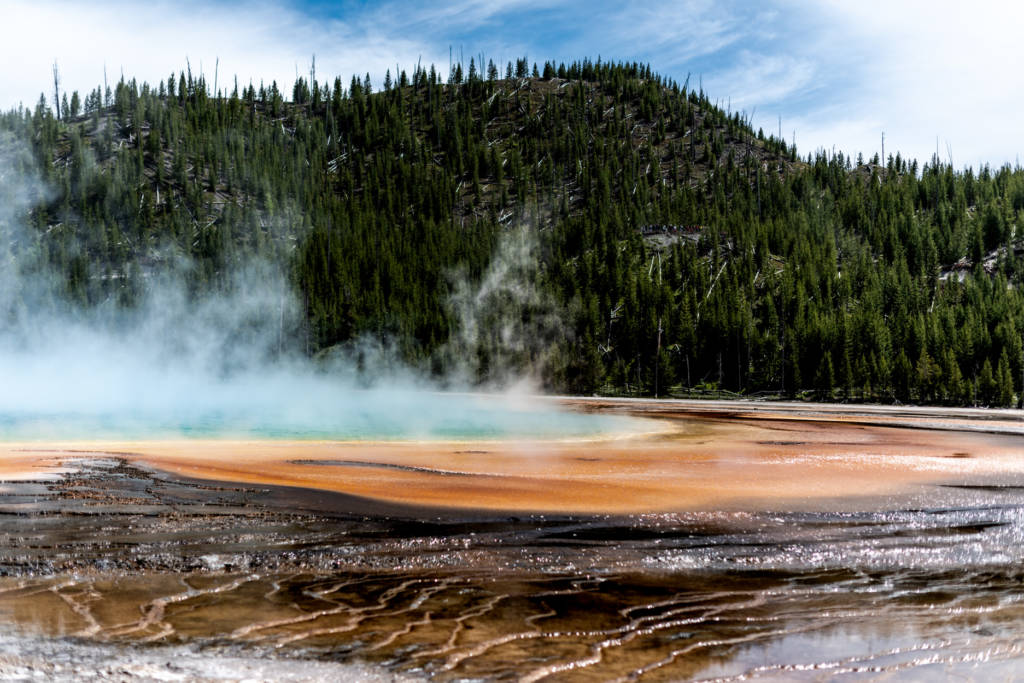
(601, 227)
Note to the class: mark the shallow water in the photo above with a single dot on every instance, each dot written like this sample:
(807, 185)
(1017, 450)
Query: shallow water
(908, 594)
(181, 579)
(351, 415)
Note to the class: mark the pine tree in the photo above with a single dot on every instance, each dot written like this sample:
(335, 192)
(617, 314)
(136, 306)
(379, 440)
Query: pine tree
(1004, 395)
(760, 272)
(824, 379)
(987, 387)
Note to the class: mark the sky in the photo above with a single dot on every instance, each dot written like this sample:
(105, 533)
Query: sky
(930, 75)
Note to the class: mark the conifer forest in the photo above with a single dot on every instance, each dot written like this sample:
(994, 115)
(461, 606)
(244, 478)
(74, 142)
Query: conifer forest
(665, 247)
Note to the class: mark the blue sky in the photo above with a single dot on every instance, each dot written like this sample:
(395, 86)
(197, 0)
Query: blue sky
(837, 73)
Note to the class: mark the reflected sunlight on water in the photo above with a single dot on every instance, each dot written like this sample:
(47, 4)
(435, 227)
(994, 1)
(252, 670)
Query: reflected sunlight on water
(920, 578)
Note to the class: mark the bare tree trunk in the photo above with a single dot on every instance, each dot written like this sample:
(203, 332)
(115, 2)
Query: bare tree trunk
(312, 80)
(657, 359)
(56, 90)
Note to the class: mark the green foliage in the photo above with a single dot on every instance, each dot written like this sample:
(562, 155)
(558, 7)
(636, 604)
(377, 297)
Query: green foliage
(679, 247)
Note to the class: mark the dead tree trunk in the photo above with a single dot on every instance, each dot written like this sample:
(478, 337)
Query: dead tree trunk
(56, 90)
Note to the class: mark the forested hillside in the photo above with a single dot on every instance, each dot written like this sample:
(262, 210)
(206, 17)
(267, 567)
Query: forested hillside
(673, 248)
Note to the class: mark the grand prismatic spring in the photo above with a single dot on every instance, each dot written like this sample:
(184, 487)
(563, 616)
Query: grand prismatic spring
(550, 539)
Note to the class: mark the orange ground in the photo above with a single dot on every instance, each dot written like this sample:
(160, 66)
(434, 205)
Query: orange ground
(764, 458)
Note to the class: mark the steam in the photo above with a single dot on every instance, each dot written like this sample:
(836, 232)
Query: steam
(20, 189)
(507, 327)
(228, 363)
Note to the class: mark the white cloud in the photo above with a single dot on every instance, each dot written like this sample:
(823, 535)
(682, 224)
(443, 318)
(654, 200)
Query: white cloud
(149, 41)
(676, 32)
(915, 70)
(838, 72)
(451, 16)
(764, 79)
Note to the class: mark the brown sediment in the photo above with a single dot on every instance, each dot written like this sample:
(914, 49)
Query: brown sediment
(472, 625)
(706, 458)
(525, 560)
(20, 464)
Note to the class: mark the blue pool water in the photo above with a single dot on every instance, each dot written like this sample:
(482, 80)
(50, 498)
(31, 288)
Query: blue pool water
(315, 415)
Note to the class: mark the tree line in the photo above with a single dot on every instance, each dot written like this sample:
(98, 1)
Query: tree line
(816, 275)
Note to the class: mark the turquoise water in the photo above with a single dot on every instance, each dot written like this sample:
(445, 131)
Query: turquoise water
(354, 415)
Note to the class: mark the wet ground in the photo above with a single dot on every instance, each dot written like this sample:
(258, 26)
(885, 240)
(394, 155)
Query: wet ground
(112, 568)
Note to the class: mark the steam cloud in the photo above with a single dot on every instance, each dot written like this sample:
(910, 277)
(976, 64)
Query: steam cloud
(506, 326)
(225, 364)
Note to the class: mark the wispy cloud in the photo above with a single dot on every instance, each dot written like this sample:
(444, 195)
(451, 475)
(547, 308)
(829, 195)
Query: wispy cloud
(936, 69)
(841, 73)
(679, 32)
(838, 72)
(760, 79)
(266, 42)
(455, 16)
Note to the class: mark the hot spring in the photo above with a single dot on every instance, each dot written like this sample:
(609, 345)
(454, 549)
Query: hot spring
(409, 534)
(313, 410)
